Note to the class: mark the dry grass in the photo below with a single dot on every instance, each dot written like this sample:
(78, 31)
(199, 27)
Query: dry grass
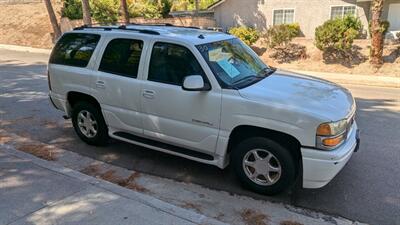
(111, 176)
(4, 139)
(252, 217)
(92, 170)
(289, 222)
(39, 150)
(189, 205)
(49, 124)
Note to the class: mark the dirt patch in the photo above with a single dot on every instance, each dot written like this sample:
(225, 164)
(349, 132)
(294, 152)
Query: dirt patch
(132, 184)
(39, 150)
(190, 205)
(49, 124)
(113, 177)
(354, 62)
(4, 138)
(92, 170)
(252, 217)
(27, 24)
(289, 222)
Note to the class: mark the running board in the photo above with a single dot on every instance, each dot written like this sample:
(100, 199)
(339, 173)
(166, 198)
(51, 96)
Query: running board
(165, 146)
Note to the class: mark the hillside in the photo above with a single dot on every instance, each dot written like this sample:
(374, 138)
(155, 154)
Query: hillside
(26, 24)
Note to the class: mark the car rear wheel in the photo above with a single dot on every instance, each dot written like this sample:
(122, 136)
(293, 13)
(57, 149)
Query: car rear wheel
(263, 165)
(89, 123)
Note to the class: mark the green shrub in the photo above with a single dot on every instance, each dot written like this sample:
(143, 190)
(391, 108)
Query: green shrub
(146, 9)
(104, 11)
(72, 9)
(338, 34)
(282, 34)
(384, 28)
(248, 35)
(165, 7)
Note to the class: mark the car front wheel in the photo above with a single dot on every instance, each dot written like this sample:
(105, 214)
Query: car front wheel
(263, 165)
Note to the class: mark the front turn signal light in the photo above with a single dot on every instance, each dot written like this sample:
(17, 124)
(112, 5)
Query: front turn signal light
(332, 142)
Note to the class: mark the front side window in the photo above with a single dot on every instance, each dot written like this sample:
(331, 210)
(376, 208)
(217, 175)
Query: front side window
(74, 49)
(171, 63)
(341, 11)
(122, 57)
(283, 16)
(233, 63)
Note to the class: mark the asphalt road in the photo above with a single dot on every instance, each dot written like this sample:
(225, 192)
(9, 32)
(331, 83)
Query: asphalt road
(367, 189)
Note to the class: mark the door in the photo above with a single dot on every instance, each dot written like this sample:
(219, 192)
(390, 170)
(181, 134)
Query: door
(117, 87)
(172, 115)
(394, 16)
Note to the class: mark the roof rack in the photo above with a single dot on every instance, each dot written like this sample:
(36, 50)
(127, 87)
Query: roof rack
(122, 27)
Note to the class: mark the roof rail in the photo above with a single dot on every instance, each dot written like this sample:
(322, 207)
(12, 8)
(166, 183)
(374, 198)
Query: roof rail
(122, 27)
(163, 24)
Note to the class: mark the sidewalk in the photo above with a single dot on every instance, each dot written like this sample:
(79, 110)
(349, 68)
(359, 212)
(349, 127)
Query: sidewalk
(34, 191)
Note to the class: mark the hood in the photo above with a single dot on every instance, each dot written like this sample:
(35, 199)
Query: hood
(304, 93)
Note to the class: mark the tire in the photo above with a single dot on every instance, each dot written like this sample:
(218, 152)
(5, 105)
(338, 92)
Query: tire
(282, 167)
(88, 110)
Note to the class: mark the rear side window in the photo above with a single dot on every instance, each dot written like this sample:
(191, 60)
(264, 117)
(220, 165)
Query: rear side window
(171, 63)
(74, 49)
(122, 57)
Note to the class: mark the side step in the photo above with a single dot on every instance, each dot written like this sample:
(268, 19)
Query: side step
(162, 145)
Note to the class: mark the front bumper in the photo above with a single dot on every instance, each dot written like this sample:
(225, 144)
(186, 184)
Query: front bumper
(320, 167)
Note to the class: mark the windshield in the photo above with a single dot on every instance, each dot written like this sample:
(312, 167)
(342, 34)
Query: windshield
(233, 62)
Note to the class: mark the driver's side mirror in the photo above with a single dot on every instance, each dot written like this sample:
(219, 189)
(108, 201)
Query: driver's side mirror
(195, 83)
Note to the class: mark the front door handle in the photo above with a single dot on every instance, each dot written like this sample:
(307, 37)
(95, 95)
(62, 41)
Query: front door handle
(149, 94)
(100, 84)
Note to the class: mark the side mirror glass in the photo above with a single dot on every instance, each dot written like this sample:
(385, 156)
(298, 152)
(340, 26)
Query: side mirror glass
(195, 83)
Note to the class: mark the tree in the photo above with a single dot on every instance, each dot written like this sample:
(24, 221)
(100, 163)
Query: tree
(196, 7)
(376, 33)
(53, 19)
(124, 11)
(87, 19)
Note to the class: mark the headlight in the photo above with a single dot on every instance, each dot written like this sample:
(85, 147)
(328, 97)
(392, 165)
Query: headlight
(331, 135)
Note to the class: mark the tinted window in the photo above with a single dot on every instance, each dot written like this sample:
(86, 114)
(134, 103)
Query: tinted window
(171, 63)
(122, 57)
(74, 49)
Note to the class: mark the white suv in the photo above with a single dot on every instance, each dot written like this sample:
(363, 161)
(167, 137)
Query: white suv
(205, 96)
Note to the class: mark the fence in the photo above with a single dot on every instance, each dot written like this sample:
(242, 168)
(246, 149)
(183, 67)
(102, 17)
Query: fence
(15, 2)
(202, 22)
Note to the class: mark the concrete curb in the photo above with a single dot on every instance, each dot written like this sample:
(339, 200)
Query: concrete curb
(367, 80)
(25, 49)
(130, 194)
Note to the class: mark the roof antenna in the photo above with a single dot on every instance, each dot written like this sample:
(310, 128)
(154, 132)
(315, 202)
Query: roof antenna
(201, 36)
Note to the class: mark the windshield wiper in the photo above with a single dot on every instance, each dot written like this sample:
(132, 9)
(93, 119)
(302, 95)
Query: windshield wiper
(266, 71)
(246, 78)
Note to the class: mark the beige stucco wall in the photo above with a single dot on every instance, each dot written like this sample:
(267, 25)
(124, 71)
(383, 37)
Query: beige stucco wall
(259, 13)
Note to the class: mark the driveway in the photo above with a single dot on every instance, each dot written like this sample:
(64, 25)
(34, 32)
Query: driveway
(367, 189)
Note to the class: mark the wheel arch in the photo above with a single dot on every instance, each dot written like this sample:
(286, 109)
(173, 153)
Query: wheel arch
(74, 97)
(242, 132)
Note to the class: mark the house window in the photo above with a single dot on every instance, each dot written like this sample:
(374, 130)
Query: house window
(341, 11)
(283, 16)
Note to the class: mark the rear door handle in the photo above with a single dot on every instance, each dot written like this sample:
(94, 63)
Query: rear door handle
(149, 94)
(100, 84)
